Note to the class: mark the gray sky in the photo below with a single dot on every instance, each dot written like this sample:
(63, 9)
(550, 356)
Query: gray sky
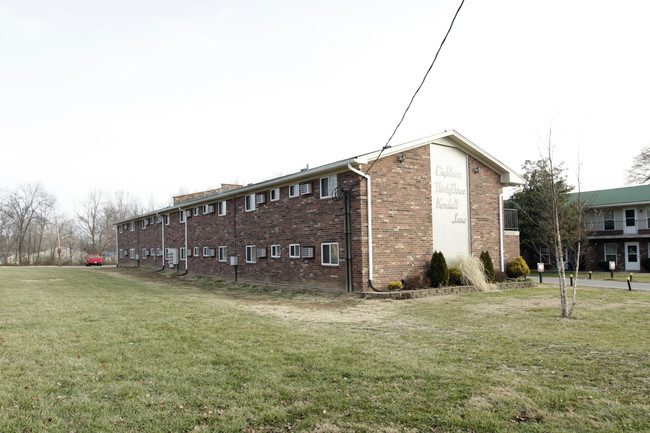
(155, 97)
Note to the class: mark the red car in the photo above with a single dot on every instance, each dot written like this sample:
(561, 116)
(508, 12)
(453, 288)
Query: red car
(93, 259)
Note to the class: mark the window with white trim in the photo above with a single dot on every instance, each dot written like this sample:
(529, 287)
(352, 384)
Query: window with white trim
(223, 254)
(249, 202)
(208, 252)
(327, 186)
(208, 208)
(261, 252)
(196, 252)
(276, 251)
(294, 190)
(151, 220)
(132, 226)
(158, 218)
(221, 208)
(274, 194)
(121, 253)
(251, 256)
(126, 226)
(144, 224)
(294, 251)
(132, 253)
(608, 219)
(182, 253)
(120, 229)
(145, 253)
(158, 252)
(610, 252)
(183, 216)
(166, 219)
(152, 252)
(307, 252)
(195, 211)
(305, 188)
(329, 253)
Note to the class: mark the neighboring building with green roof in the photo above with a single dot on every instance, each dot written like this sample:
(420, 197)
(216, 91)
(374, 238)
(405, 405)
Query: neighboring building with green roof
(619, 227)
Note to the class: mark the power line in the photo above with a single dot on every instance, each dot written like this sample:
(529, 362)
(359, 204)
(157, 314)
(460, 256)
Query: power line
(419, 87)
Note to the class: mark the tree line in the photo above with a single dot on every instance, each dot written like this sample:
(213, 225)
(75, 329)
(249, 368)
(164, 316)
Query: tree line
(31, 229)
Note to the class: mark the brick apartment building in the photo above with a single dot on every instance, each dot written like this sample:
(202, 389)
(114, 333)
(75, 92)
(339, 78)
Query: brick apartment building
(333, 226)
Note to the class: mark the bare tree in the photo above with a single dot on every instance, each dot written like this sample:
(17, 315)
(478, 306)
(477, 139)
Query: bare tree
(93, 222)
(640, 170)
(20, 209)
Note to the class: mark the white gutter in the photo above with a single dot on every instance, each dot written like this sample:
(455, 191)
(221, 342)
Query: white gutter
(501, 230)
(369, 199)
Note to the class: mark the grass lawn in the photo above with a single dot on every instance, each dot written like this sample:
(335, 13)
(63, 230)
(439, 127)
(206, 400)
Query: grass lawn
(119, 350)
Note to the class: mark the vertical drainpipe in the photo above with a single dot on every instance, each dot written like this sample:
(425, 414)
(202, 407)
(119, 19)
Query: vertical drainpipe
(369, 199)
(117, 245)
(186, 222)
(501, 230)
(162, 223)
(234, 231)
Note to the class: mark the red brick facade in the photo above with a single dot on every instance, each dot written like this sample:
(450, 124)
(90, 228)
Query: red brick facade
(402, 226)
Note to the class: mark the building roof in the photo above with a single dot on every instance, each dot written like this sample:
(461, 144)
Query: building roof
(629, 195)
(447, 138)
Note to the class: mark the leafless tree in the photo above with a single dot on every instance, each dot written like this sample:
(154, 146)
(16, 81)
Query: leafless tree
(21, 208)
(640, 169)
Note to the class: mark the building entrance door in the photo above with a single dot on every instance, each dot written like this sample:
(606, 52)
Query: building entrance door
(632, 256)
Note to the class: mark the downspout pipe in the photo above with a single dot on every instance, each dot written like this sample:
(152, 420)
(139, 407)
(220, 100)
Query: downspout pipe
(501, 231)
(186, 265)
(162, 225)
(117, 246)
(369, 200)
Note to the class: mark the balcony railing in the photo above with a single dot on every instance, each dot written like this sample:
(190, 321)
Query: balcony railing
(618, 227)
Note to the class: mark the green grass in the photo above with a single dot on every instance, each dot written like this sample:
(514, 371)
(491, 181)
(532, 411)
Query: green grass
(90, 350)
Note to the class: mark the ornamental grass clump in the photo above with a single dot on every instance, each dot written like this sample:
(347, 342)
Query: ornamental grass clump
(473, 273)
(438, 271)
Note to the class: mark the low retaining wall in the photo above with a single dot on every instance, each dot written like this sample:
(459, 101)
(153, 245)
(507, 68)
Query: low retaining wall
(425, 293)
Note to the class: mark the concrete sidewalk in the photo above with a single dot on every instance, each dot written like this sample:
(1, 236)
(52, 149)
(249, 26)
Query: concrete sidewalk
(598, 283)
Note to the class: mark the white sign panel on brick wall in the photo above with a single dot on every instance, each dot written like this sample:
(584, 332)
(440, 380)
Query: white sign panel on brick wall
(449, 184)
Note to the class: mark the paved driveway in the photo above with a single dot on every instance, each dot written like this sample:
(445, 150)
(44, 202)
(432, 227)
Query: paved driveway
(599, 283)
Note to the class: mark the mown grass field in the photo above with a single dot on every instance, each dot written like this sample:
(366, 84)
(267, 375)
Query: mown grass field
(118, 350)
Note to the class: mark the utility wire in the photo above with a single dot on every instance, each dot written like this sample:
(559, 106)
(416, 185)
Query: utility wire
(418, 89)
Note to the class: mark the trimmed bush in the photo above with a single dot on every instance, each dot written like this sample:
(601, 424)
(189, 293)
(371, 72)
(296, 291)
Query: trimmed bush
(395, 285)
(455, 276)
(438, 271)
(488, 266)
(517, 268)
(645, 262)
(416, 281)
(500, 277)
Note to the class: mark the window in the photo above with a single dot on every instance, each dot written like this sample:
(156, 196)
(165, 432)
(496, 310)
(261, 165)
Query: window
(274, 194)
(545, 255)
(126, 226)
(307, 252)
(132, 226)
(151, 220)
(221, 206)
(121, 253)
(145, 253)
(259, 198)
(196, 252)
(208, 208)
(330, 254)
(610, 252)
(153, 252)
(183, 216)
(630, 218)
(608, 219)
(327, 186)
(132, 253)
(294, 190)
(250, 254)
(158, 252)
(208, 252)
(276, 251)
(647, 212)
(294, 251)
(305, 188)
(250, 202)
(120, 228)
(261, 252)
(166, 219)
(223, 254)
(182, 253)
(144, 224)
(158, 218)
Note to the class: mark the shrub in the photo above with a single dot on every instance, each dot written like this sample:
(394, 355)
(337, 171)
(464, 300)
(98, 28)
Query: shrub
(604, 265)
(645, 262)
(455, 276)
(438, 271)
(517, 268)
(416, 281)
(500, 277)
(488, 266)
(395, 285)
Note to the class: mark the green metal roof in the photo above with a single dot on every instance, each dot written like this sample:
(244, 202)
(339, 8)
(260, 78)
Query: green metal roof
(617, 196)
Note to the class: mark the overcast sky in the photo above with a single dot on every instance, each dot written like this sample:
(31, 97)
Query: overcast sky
(158, 97)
